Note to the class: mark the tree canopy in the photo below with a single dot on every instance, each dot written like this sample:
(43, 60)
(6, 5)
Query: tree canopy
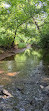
(24, 21)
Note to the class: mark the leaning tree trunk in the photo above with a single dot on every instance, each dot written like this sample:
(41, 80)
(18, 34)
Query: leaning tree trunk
(37, 25)
(26, 26)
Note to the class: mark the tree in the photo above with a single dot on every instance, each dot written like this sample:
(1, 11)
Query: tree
(44, 40)
(14, 14)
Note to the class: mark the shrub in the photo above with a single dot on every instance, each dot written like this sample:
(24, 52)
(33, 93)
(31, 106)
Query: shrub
(21, 45)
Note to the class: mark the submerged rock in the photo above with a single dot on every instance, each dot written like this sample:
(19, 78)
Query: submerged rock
(47, 88)
(21, 89)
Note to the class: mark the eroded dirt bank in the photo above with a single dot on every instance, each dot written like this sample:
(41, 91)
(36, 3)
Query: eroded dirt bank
(13, 51)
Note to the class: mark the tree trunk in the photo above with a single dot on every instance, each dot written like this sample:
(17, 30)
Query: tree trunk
(37, 25)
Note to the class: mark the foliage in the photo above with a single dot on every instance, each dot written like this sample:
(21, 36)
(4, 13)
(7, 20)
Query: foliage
(27, 52)
(22, 20)
(21, 45)
(44, 41)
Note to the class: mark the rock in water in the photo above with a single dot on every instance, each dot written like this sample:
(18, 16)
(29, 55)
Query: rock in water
(41, 86)
(4, 93)
(47, 88)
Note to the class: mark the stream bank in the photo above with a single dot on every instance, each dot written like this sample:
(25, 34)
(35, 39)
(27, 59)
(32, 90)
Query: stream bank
(13, 51)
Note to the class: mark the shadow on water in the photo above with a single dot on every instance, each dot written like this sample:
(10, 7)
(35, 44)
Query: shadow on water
(45, 59)
(22, 75)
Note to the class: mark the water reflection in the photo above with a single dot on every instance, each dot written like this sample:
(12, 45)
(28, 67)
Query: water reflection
(22, 76)
(19, 66)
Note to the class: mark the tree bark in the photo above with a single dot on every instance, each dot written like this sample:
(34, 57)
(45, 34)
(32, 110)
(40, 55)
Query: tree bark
(37, 25)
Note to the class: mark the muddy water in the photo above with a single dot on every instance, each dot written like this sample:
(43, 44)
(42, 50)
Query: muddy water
(26, 77)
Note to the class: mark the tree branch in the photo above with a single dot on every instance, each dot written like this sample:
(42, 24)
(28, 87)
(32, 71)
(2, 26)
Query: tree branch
(37, 25)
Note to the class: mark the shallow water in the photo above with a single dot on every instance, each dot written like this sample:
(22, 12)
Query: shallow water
(22, 75)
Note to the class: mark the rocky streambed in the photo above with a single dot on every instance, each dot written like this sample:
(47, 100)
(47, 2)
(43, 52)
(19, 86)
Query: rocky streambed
(26, 78)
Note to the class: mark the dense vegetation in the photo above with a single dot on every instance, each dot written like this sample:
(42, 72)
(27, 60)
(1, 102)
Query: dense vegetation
(23, 22)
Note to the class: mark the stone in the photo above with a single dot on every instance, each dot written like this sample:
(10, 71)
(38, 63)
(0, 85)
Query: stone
(4, 93)
(41, 86)
(21, 89)
(47, 88)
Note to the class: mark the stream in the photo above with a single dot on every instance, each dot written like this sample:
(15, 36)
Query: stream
(26, 77)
